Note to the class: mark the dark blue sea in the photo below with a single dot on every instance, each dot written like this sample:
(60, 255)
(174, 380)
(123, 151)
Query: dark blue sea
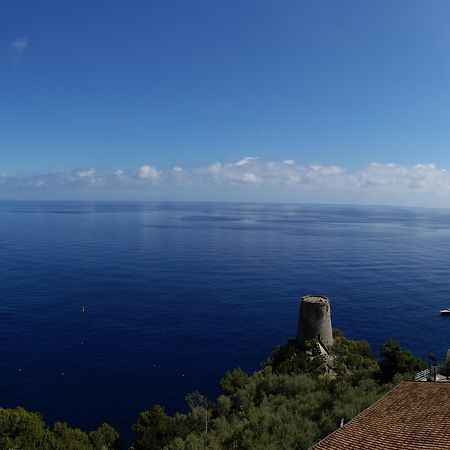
(175, 294)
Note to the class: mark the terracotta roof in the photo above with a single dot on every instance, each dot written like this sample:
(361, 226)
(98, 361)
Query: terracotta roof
(412, 416)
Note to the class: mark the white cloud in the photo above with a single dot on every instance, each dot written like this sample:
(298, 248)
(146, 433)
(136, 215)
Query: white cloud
(399, 178)
(88, 176)
(86, 173)
(245, 160)
(326, 170)
(148, 172)
(251, 178)
(380, 182)
(20, 44)
(251, 170)
(215, 168)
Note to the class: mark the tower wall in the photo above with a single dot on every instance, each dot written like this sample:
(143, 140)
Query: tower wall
(315, 320)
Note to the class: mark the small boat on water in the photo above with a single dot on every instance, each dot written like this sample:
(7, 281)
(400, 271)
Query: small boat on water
(445, 311)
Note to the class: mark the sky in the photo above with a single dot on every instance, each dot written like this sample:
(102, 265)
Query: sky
(235, 100)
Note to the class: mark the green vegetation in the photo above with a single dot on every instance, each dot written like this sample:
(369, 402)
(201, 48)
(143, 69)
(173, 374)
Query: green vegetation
(20, 429)
(293, 401)
(297, 398)
(397, 361)
(444, 369)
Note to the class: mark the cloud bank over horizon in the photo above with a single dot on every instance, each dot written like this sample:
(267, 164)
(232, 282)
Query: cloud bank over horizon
(247, 179)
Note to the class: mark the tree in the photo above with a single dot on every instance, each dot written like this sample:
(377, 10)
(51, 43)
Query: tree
(71, 438)
(444, 369)
(154, 429)
(105, 437)
(398, 361)
(233, 381)
(22, 429)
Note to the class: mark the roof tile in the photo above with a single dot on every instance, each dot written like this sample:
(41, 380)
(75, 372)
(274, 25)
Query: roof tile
(412, 416)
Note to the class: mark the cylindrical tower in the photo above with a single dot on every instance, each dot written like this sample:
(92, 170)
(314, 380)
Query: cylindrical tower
(315, 320)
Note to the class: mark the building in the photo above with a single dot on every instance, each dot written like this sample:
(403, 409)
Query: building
(315, 321)
(412, 416)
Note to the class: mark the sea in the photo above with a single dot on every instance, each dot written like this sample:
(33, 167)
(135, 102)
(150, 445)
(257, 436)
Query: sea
(108, 308)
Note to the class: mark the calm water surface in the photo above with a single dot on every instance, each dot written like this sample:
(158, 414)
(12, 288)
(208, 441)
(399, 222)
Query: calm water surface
(176, 294)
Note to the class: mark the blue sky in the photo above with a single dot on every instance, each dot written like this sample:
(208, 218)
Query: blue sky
(102, 99)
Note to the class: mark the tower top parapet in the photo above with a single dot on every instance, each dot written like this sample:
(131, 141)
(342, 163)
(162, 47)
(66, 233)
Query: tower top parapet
(316, 299)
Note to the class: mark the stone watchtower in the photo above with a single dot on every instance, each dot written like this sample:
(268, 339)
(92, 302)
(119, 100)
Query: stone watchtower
(315, 320)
